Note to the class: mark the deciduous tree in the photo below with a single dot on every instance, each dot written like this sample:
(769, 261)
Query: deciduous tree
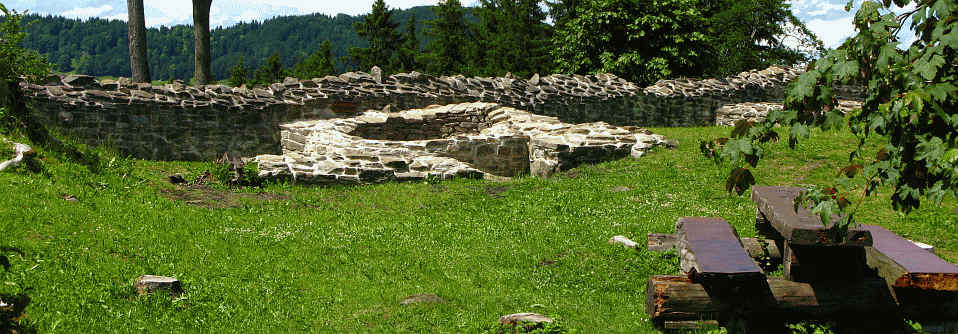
(911, 106)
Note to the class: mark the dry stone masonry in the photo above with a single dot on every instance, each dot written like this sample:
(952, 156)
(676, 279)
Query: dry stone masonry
(459, 140)
(178, 122)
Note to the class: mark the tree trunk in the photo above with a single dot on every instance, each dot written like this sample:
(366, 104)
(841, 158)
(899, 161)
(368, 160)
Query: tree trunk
(201, 39)
(139, 65)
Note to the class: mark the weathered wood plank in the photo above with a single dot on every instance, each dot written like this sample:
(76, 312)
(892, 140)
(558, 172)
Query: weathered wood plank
(906, 265)
(677, 298)
(802, 227)
(764, 252)
(710, 248)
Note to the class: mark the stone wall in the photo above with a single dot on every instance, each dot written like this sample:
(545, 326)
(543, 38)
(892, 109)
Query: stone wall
(177, 122)
(486, 138)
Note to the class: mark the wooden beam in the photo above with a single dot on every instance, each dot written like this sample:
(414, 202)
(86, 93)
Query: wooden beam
(756, 248)
(906, 265)
(709, 248)
(678, 298)
(801, 227)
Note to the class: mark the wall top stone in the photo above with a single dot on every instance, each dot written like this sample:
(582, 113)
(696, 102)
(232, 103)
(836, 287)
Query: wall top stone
(356, 86)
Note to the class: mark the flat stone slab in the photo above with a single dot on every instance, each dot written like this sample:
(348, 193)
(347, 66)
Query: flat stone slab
(801, 227)
(528, 320)
(147, 284)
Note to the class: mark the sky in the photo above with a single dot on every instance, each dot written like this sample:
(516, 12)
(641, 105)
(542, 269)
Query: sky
(827, 18)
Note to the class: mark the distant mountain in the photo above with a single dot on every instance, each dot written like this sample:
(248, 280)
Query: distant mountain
(99, 47)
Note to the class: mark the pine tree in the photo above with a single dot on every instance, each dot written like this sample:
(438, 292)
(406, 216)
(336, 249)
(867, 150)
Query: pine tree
(239, 74)
(409, 53)
(514, 38)
(384, 40)
(271, 72)
(447, 52)
(318, 64)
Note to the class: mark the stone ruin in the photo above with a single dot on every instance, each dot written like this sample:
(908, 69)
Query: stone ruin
(338, 128)
(458, 140)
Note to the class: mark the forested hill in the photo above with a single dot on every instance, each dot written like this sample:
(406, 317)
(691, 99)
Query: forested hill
(99, 47)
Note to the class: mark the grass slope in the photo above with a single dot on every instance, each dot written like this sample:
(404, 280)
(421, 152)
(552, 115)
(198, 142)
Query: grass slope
(339, 259)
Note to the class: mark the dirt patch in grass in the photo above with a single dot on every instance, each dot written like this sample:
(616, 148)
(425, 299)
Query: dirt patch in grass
(208, 197)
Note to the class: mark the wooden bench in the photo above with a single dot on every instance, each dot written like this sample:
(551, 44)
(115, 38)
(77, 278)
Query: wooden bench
(776, 208)
(811, 250)
(925, 285)
(709, 248)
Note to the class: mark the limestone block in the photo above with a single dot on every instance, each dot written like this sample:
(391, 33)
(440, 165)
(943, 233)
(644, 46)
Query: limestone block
(146, 284)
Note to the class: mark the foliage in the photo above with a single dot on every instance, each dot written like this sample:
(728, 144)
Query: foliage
(382, 34)
(317, 65)
(104, 42)
(910, 103)
(239, 74)
(752, 35)
(450, 35)
(644, 40)
(514, 38)
(15, 60)
(271, 72)
(409, 53)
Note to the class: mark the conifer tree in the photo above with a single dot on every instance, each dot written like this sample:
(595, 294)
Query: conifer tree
(409, 53)
(318, 64)
(447, 52)
(271, 72)
(384, 40)
(239, 74)
(515, 37)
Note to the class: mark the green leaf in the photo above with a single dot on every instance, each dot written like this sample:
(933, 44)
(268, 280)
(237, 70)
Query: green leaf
(741, 128)
(799, 131)
(740, 179)
(833, 120)
(931, 151)
(941, 91)
(846, 70)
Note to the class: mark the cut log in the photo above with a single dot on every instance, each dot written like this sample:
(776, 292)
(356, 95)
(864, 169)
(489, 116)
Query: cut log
(709, 248)
(677, 298)
(802, 263)
(802, 227)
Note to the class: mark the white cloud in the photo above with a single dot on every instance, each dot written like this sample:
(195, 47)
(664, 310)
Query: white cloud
(85, 12)
(832, 32)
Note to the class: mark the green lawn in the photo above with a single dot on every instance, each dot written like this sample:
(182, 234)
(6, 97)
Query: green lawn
(339, 259)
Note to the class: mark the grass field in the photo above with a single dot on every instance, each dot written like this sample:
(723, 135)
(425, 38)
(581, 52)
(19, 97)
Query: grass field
(286, 258)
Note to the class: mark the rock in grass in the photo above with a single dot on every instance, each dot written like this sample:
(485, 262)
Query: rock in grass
(623, 241)
(423, 298)
(177, 179)
(529, 321)
(620, 189)
(149, 284)
(922, 245)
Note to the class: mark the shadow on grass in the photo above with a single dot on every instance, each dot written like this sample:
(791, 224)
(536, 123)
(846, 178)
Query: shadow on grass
(13, 316)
